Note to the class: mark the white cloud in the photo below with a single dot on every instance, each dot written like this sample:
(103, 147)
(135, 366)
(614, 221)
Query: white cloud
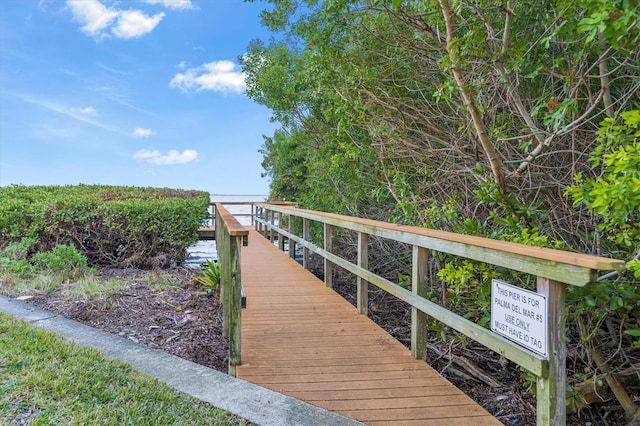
(218, 76)
(173, 4)
(134, 23)
(97, 19)
(64, 110)
(171, 157)
(182, 65)
(95, 16)
(43, 5)
(86, 110)
(141, 132)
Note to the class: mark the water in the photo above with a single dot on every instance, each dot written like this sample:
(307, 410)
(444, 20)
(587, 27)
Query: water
(202, 251)
(199, 253)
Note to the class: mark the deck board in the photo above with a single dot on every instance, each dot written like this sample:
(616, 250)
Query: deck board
(302, 339)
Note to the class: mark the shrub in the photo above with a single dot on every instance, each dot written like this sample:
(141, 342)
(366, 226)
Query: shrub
(62, 257)
(111, 226)
(608, 311)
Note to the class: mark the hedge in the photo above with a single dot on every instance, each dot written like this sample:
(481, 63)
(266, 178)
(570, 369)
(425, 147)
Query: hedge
(110, 225)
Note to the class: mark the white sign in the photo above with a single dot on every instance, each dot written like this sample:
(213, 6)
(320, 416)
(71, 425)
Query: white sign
(519, 315)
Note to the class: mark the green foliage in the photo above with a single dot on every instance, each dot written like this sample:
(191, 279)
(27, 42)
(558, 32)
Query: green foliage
(210, 276)
(17, 250)
(43, 270)
(62, 257)
(14, 257)
(118, 226)
(376, 124)
(21, 267)
(47, 380)
(469, 281)
(614, 195)
(614, 21)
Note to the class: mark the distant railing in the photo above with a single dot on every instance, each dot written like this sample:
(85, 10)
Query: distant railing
(554, 269)
(252, 204)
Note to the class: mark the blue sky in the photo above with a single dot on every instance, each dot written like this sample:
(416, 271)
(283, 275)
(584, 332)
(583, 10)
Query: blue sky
(130, 92)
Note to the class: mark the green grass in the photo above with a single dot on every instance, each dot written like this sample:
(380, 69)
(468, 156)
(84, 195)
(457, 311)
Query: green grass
(46, 380)
(90, 287)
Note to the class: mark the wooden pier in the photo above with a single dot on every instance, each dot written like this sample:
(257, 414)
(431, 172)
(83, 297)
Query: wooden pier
(302, 339)
(207, 233)
(298, 337)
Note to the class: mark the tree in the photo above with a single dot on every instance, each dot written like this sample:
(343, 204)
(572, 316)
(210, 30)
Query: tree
(468, 115)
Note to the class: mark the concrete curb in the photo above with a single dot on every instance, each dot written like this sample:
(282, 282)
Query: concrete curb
(247, 400)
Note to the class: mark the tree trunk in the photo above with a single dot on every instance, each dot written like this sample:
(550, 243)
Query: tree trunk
(467, 95)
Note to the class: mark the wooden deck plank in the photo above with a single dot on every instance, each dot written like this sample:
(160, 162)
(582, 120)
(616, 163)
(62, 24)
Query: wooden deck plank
(464, 421)
(303, 339)
(331, 369)
(366, 394)
(207, 233)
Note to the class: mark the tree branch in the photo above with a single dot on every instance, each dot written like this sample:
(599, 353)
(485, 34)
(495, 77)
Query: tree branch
(472, 108)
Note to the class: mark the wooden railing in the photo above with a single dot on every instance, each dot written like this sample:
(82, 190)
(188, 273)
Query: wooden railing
(230, 236)
(554, 270)
(251, 204)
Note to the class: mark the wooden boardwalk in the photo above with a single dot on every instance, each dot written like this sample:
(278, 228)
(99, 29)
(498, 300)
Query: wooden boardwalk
(302, 339)
(207, 233)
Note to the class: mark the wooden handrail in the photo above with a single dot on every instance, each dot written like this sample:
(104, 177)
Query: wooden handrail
(568, 267)
(233, 227)
(554, 270)
(252, 204)
(230, 237)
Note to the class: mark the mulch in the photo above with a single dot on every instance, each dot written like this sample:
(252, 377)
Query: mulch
(184, 320)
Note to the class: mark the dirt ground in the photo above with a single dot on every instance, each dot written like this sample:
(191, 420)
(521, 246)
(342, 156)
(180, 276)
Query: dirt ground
(186, 320)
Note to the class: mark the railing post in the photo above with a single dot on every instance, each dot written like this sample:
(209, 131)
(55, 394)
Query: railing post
(328, 266)
(363, 286)
(305, 237)
(222, 244)
(419, 318)
(271, 218)
(551, 394)
(235, 303)
(280, 238)
(253, 212)
(257, 224)
(292, 244)
(216, 229)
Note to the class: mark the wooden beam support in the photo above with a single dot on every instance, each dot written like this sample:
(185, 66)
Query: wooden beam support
(292, 243)
(419, 318)
(328, 266)
(271, 219)
(280, 237)
(551, 394)
(363, 285)
(305, 237)
(235, 304)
